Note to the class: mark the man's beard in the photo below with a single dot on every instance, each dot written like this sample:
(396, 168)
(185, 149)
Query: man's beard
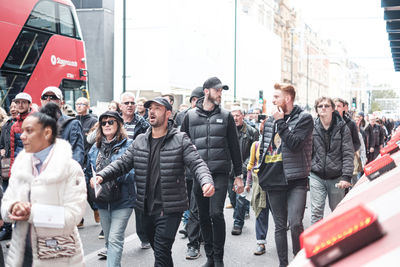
(214, 100)
(284, 107)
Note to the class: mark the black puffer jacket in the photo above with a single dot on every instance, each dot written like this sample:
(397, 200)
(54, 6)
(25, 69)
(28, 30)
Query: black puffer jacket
(333, 152)
(296, 135)
(215, 136)
(176, 152)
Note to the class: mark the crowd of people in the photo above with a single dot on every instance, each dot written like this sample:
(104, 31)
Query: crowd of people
(171, 166)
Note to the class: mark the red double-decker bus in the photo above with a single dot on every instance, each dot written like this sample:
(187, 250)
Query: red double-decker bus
(41, 45)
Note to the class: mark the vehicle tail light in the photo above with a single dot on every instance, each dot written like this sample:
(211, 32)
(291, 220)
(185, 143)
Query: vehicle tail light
(83, 72)
(379, 166)
(395, 138)
(390, 148)
(338, 236)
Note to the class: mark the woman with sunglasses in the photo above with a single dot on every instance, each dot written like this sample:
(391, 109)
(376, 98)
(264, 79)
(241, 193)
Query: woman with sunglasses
(332, 158)
(115, 202)
(45, 197)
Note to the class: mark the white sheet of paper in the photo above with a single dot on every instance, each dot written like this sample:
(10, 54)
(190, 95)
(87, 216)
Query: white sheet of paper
(49, 216)
(97, 187)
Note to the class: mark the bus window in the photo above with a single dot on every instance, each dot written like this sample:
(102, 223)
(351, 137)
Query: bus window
(43, 16)
(10, 85)
(66, 22)
(26, 51)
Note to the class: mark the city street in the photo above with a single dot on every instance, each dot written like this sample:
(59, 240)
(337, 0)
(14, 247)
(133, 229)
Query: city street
(238, 249)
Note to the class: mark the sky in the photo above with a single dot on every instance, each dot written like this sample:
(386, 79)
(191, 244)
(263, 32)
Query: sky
(359, 24)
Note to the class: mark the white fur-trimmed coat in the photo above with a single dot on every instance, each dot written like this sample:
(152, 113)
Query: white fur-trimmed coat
(61, 183)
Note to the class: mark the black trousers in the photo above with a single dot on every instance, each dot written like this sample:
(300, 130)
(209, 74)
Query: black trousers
(193, 224)
(287, 206)
(211, 213)
(140, 231)
(161, 231)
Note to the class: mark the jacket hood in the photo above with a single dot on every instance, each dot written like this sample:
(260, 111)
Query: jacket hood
(338, 122)
(61, 152)
(296, 110)
(199, 106)
(171, 130)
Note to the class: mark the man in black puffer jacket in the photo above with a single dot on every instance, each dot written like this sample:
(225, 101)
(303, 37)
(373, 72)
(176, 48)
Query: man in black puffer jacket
(285, 165)
(332, 158)
(213, 132)
(159, 158)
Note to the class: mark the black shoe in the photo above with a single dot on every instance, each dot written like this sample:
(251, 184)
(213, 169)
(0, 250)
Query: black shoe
(183, 232)
(209, 263)
(5, 234)
(101, 235)
(236, 230)
(218, 264)
(192, 253)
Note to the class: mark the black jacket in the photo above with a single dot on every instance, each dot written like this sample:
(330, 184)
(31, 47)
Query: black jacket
(296, 136)
(247, 135)
(353, 132)
(87, 122)
(176, 152)
(215, 136)
(375, 136)
(5, 137)
(333, 152)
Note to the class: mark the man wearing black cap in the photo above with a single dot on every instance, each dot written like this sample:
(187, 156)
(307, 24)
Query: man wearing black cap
(196, 94)
(192, 226)
(159, 158)
(213, 132)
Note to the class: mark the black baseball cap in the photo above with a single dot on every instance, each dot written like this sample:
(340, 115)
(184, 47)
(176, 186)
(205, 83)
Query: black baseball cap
(159, 100)
(198, 92)
(113, 114)
(214, 82)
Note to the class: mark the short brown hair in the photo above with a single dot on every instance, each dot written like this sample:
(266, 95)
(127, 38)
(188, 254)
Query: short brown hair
(286, 88)
(341, 100)
(323, 98)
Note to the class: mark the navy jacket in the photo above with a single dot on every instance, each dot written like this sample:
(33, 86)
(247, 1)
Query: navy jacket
(126, 182)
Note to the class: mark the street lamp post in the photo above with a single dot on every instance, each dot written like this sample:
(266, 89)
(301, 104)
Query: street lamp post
(308, 67)
(291, 57)
(234, 56)
(124, 46)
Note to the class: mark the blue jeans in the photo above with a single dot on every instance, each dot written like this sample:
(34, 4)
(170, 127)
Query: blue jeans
(288, 205)
(319, 189)
(113, 223)
(242, 205)
(262, 225)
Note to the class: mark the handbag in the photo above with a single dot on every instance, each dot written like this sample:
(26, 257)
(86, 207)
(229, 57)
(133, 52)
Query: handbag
(5, 168)
(110, 192)
(56, 247)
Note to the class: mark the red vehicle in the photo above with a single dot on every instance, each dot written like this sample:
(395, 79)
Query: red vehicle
(363, 230)
(41, 45)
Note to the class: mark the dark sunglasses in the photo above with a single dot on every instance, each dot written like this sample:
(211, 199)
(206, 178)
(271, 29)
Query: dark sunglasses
(49, 97)
(129, 102)
(110, 122)
(323, 106)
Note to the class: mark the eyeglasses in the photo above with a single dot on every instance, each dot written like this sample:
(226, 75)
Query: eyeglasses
(129, 102)
(49, 97)
(110, 122)
(323, 106)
